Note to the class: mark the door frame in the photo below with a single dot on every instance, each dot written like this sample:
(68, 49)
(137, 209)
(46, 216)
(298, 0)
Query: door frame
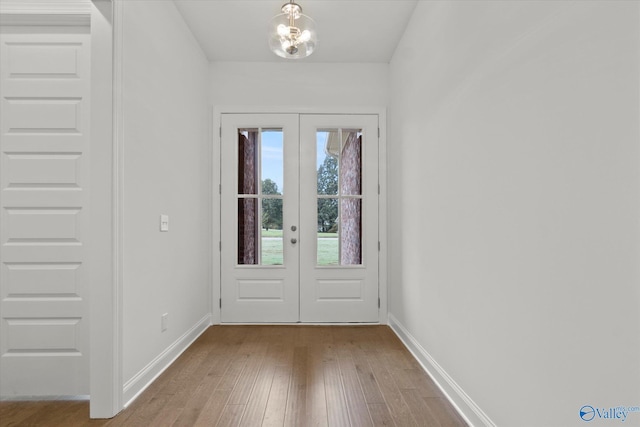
(216, 141)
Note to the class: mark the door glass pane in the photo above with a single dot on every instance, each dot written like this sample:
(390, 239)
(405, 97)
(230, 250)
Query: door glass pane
(328, 244)
(328, 151)
(339, 174)
(351, 162)
(272, 239)
(272, 162)
(350, 231)
(260, 154)
(248, 161)
(248, 231)
(272, 167)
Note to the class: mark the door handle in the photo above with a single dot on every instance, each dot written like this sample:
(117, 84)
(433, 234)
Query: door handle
(294, 240)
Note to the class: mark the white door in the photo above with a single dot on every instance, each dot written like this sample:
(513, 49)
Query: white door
(299, 218)
(339, 210)
(44, 149)
(259, 251)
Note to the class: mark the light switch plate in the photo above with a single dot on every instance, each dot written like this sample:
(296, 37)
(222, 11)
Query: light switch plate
(164, 222)
(164, 322)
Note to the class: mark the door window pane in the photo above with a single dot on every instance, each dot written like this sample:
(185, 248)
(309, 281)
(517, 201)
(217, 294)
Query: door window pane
(351, 162)
(350, 231)
(339, 189)
(327, 215)
(272, 161)
(328, 244)
(328, 151)
(248, 231)
(260, 237)
(272, 167)
(248, 161)
(272, 238)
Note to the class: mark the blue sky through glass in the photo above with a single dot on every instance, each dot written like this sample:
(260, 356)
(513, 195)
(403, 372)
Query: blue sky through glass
(321, 142)
(273, 158)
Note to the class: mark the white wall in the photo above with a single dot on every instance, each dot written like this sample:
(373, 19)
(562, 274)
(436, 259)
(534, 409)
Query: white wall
(291, 86)
(295, 84)
(514, 202)
(166, 171)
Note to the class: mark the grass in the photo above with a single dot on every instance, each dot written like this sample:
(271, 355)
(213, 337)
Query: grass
(328, 251)
(278, 233)
(272, 248)
(271, 233)
(272, 251)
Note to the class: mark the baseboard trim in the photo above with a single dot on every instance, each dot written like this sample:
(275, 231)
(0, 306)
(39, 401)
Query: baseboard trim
(139, 383)
(467, 408)
(299, 323)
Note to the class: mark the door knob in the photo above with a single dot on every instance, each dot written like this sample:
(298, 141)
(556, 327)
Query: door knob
(294, 240)
(294, 228)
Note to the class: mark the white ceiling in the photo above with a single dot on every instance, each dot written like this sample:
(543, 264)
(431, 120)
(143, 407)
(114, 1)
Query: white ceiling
(348, 30)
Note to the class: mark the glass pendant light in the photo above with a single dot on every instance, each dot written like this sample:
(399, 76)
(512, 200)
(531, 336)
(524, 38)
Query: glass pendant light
(292, 35)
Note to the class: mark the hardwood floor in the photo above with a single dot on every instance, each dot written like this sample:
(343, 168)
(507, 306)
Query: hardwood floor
(273, 376)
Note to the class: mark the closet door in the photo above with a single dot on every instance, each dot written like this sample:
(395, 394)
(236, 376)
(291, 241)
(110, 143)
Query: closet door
(44, 198)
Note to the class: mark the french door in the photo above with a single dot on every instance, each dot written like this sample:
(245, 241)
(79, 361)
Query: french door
(299, 201)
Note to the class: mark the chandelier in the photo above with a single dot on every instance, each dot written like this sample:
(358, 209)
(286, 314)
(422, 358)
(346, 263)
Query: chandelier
(292, 35)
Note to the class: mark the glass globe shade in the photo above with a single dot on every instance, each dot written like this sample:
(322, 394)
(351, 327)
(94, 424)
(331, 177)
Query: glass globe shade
(292, 43)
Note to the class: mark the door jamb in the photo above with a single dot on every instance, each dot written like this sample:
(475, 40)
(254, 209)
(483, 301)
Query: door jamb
(382, 197)
(106, 385)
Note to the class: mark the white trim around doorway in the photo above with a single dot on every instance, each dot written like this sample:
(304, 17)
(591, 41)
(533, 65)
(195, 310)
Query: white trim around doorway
(106, 388)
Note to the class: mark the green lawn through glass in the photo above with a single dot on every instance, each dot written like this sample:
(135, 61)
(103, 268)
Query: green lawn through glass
(272, 248)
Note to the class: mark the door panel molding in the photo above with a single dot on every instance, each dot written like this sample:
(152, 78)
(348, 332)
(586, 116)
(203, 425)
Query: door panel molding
(46, 206)
(44, 13)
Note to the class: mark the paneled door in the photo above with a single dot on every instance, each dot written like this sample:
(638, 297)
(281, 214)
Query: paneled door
(259, 198)
(299, 200)
(44, 199)
(339, 210)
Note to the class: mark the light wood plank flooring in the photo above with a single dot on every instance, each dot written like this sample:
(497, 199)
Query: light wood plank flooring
(273, 376)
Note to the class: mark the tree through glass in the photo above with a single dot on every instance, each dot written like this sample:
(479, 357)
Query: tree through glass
(260, 203)
(339, 190)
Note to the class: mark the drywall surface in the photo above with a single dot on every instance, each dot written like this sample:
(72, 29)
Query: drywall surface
(514, 203)
(299, 84)
(166, 171)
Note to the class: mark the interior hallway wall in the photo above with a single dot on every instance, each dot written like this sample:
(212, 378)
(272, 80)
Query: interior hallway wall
(514, 202)
(166, 171)
(292, 86)
(299, 84)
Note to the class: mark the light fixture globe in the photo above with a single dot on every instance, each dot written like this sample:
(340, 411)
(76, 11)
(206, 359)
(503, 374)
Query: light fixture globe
(292, 35)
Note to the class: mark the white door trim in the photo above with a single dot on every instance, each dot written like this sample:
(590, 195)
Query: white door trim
(382, 177)
(47, 13)
(106, 385)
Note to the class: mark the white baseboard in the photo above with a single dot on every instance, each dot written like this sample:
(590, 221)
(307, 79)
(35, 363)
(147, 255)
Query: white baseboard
(157, 366)
(456, 395)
